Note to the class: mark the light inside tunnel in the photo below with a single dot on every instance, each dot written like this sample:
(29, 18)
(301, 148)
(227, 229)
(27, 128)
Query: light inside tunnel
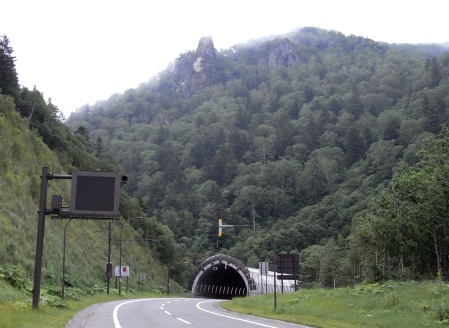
(220, 281)
(221, 276)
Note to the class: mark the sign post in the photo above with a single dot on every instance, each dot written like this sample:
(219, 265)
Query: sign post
(122, 273)
(288, 267)
(220, 225)
(94, 194)
(141, 280)
(263, 270)
(43, 211)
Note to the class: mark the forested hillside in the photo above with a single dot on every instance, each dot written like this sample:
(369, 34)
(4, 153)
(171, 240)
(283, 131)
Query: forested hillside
(300, 134)
(32, 136)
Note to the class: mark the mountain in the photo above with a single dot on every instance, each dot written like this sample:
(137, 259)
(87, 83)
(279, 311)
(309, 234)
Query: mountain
(297, 134)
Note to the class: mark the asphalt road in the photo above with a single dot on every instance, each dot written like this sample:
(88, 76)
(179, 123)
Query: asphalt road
(167, 312)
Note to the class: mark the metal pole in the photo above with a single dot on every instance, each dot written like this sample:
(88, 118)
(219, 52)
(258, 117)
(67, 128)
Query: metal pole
(274, 265)
(273, 246)
(109, 256)
(63, 262)
(168, 271)
(120, 256)
(274, 270)
(120, 262)
(266, 280)
(40, 238)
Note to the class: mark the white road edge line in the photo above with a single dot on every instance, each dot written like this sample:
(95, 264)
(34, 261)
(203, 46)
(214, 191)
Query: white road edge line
(229, 317)
(114, 314)
(166, 312)
(185, 321)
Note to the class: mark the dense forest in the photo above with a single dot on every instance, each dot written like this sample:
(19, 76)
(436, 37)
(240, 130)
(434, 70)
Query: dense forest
(336, 144)
(301, 134)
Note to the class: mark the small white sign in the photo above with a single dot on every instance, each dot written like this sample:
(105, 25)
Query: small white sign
(263, 268)
(125, 271)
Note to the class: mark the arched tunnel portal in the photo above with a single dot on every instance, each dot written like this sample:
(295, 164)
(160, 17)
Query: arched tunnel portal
(221, 276)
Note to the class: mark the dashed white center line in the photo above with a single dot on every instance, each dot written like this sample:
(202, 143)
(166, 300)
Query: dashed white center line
(168, 313)
(185, 321)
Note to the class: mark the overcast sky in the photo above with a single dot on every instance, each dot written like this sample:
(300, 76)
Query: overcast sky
(78, 52)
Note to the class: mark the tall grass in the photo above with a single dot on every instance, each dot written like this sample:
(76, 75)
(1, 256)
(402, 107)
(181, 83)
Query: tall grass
(392, 304)
(22, 156)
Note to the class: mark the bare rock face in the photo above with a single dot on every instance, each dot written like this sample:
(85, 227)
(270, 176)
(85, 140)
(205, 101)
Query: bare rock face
(206, 62)
(206, 48)
(197, 69)
(281, 52)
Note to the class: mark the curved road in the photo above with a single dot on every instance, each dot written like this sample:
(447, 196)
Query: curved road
(167, 312)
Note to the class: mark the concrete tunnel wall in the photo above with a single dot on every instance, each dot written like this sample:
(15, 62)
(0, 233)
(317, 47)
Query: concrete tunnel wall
(221, 276)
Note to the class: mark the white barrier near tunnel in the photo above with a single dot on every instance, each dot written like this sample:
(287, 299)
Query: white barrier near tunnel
(265, 283)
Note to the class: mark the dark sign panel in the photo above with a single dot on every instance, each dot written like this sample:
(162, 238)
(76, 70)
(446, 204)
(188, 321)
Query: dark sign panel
(95, 194)
(288, 263)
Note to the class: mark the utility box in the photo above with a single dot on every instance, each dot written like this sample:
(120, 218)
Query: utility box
(108, 270)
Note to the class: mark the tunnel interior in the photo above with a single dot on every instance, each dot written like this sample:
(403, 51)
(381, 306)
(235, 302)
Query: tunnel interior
(220, 277)
(220, 281)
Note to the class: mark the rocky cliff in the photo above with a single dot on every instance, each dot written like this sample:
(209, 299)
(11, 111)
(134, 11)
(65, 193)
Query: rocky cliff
(281, 52)
(197, 69)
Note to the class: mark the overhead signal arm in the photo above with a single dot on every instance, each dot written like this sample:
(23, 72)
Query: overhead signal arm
(221, 225)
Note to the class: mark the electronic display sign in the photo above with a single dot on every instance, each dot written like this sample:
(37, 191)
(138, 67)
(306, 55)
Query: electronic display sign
(95, 194)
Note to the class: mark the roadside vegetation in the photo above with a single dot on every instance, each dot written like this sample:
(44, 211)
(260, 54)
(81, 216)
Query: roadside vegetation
(390, 304)
(384, 305)
(16, 309)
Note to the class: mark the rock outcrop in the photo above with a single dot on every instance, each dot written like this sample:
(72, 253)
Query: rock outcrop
(197, 69)
(281, 52)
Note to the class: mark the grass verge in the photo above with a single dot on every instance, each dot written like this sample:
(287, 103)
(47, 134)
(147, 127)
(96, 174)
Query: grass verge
(392, 304)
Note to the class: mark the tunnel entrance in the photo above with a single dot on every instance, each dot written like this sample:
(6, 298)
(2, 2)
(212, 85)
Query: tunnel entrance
(221, 276)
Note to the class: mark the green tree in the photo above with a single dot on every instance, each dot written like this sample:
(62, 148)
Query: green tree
(84, 136)
(353, 145)
(9, 82)
(382, 157)
(390, 124)
(99, 147)
(433, 67)
(322, 172)
(249, 203)
(323, 263)
(354, 103)
(435, 112)
(411, 215)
